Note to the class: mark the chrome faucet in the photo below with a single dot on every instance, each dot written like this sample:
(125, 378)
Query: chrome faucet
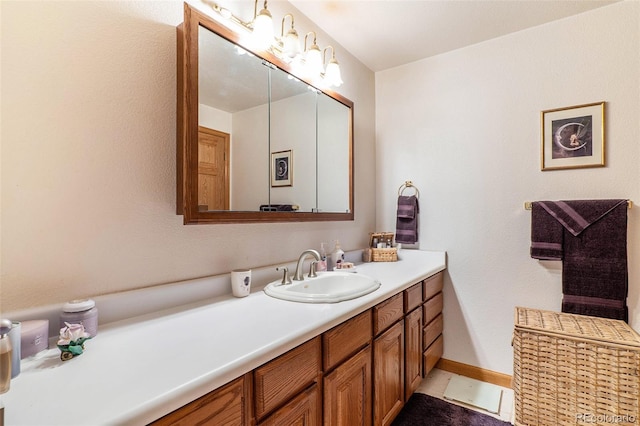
(299, 275)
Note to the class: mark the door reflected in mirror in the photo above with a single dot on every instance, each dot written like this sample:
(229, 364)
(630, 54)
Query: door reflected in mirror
(236, 109)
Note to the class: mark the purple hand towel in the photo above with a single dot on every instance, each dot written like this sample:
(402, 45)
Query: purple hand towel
(407, 219)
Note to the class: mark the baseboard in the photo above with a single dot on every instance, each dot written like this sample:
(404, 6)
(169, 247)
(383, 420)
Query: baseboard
(474, 372)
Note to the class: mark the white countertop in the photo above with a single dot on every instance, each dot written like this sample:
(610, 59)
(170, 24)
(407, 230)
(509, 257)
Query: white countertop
(137, 370)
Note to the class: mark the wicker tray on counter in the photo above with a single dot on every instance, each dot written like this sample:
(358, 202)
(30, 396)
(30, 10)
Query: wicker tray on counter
(389, 254)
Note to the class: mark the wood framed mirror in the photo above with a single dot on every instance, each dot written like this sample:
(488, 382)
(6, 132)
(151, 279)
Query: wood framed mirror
(254, 142)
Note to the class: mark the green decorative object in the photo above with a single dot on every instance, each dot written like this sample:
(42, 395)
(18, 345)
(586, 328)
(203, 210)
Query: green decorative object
(71, 342)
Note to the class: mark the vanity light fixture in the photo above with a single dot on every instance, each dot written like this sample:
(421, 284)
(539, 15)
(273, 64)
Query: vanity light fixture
(331, 74)
(312, 57)
(262, 26)
(286, 47)
(290, 41)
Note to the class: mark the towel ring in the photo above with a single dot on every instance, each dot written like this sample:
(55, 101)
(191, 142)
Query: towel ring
(408, 184)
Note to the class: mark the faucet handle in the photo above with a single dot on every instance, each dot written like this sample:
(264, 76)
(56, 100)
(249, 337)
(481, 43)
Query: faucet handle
(312, 269)
(286, 279)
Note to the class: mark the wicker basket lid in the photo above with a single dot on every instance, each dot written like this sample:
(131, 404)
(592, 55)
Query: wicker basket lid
(581, 326)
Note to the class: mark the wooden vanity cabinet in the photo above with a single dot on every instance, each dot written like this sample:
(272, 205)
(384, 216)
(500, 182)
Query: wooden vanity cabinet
(360, 372)
(227, 405)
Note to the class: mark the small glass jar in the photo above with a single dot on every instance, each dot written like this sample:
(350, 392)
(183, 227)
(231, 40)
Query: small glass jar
(83, 312)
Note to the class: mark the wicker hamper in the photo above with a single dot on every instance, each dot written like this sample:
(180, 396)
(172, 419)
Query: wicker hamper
(574, 370)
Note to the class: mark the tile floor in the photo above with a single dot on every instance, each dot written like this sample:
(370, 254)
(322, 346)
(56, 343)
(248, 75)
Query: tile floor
(436, 383)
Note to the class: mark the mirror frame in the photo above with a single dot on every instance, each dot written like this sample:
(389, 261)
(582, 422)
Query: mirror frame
(187, 132)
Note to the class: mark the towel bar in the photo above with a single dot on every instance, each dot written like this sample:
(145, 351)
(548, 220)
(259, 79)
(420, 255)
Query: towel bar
(527, 204)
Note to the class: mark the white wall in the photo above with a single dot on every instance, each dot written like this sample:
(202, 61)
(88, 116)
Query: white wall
(465, 128)
(250, 154)
(88, 156)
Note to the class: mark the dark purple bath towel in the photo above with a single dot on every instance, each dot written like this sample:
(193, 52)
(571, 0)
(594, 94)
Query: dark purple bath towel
(407, 219)
(546, 234)
(593, 240)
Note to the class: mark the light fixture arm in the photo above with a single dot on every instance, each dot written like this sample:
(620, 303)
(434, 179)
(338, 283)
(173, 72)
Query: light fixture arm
(305, 39)
(255, 9)
(282, 27)
(333, 54)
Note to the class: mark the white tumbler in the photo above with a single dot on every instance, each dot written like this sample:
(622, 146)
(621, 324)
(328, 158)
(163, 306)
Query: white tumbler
(241, 282)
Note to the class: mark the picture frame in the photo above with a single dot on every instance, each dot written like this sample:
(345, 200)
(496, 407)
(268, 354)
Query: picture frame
(282, 168)
(573, 137)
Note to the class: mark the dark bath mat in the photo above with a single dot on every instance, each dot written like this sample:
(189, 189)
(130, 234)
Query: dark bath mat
(425, 410)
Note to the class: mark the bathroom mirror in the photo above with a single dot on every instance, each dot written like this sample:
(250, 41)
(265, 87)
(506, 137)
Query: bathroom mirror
(255, 143)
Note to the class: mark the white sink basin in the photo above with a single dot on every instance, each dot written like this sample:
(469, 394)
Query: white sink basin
(327, 287)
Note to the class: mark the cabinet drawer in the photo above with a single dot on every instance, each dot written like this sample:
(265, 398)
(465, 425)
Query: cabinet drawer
(346, 339)
(432, 308)
(432, 331)
(412, 297)
(432, 285)
(387, 313)
(228, 405)
(278, 380)
(432, 355)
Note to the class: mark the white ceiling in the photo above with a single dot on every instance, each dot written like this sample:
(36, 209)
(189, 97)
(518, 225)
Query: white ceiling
(384, 34)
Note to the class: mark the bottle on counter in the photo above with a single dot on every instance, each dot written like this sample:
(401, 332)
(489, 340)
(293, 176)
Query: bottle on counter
(337, 256)
(322, 264)
(5, 355)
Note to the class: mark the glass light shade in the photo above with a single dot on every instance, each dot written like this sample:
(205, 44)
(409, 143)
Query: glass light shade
(263, 30)
(291, 44)
(313, 59)
(332, 74)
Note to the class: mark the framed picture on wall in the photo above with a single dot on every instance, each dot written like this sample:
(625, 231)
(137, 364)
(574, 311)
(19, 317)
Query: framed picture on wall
(573, 137)
(282, 168)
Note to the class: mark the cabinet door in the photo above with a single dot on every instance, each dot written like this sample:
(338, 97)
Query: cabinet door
(303, 410)
(347, 392)
(412, 352)
(228, 405)
(388, 374)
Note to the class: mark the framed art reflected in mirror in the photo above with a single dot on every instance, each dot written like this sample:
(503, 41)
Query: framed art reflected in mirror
(282, 168)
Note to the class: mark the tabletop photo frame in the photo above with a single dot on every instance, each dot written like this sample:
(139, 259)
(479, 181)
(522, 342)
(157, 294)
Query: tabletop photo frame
(573, 137)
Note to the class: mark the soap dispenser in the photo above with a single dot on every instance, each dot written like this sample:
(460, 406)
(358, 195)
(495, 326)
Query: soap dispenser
(322, 264)
(337, 256)
(5, 355)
